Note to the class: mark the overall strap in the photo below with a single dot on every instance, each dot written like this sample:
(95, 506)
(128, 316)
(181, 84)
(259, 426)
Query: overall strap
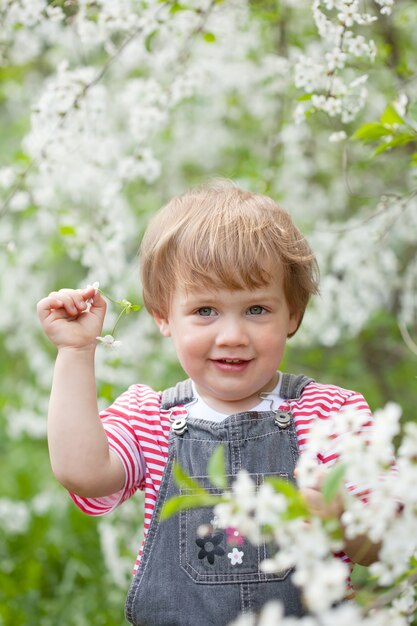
(182, 393)
(292, 385)
(291, 388)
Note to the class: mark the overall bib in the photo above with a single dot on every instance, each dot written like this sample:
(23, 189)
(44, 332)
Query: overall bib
(186, 578)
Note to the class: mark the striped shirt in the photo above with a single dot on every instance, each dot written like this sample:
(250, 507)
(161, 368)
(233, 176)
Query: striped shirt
(138, 430)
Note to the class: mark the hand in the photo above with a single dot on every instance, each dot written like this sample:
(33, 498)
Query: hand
(316, 502)
(359, 549)
(65, 318)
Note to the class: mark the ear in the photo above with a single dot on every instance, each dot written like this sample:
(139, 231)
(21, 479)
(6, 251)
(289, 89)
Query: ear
(163, 325)
(294, 322)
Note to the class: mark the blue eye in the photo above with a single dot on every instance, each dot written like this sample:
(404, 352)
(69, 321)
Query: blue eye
(205, 311)
(256, 310)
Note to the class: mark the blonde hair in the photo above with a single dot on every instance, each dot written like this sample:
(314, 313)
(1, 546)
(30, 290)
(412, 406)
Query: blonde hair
(219, 236)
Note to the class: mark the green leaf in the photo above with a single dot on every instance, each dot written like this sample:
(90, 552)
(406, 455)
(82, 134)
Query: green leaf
(296, 503)
(413, 160)
(149, 40)
(281, 485)
(332, 482)
(296, 510)
(305, 98)
(209, 37)
(390, 117)
(400, 139)
(372, 132)
(177, 6)
(216, 468)
(183, 502)
(184, 481)
(67, 231)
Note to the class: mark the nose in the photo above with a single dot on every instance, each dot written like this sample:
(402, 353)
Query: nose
(232, 332)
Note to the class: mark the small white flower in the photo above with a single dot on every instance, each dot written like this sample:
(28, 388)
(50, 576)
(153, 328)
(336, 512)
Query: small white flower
(272, 613)
(7, 177)
(109, 341)
(94, 286)
(270, 505)
(235, 556)
(244, 491)
(337, 137)
(335, 59)
(400, 104)
(89, 302)
(333, 106)
(19, 201)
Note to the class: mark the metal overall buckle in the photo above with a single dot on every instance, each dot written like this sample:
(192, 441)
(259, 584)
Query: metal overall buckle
(179, 426)
(282, 419)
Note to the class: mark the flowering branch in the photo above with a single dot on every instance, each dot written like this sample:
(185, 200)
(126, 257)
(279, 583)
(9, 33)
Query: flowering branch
(277, 513)
(321, 77)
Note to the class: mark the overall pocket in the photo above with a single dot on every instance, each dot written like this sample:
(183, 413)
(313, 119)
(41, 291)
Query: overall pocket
(219, 556)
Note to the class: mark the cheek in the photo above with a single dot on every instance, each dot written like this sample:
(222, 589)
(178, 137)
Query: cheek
(271, 339)
(190, 345)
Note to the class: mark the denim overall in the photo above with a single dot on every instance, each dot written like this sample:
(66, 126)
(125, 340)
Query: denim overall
(193, 577)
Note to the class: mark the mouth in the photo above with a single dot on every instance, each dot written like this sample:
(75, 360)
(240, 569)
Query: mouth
(231, 360)
(231, 365)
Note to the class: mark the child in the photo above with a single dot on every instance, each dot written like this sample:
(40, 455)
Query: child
(227, 276)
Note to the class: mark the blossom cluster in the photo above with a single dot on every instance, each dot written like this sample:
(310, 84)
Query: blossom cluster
(379, 502)
(359, 262)
(325, 73)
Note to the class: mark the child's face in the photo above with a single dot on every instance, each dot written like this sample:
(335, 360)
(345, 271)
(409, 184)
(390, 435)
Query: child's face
(230, 343)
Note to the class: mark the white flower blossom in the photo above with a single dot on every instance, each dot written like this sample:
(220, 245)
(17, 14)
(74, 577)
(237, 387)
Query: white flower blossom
(7, 177)
(109, 341)
(400, 104)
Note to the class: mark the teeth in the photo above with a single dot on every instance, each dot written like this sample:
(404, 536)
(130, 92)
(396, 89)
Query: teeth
(232, 360)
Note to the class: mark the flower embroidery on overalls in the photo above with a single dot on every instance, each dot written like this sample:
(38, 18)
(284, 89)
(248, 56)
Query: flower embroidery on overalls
(235, 557)
(209, 547)
(233, 537)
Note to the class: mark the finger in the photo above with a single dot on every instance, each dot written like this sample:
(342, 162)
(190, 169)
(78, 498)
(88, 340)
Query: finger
(98, 301)
(45, 306)
(320, 475)
(88, 292)
(76, 300)
(73, 304)
(86, 299)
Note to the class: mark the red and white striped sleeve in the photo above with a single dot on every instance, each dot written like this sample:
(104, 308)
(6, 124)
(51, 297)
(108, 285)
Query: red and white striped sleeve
(123, 440)
(328, 402)
(323, 402)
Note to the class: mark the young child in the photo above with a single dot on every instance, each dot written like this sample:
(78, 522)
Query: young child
(227, 276)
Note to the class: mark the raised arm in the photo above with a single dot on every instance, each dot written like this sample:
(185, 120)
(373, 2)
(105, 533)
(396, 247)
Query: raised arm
(80, 456)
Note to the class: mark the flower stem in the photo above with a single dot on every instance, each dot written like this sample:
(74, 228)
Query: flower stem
(122, 312)
(108, 297)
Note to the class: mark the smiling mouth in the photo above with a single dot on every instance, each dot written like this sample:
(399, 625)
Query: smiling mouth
(232, 361)
(231, 366)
